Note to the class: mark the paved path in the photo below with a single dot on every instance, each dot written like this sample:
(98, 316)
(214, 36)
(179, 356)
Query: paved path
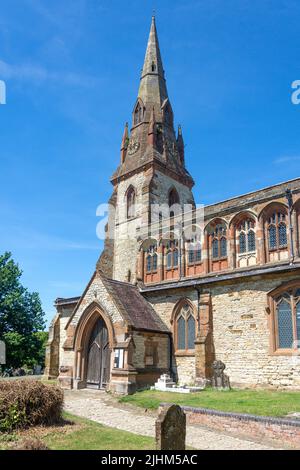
(102, 408)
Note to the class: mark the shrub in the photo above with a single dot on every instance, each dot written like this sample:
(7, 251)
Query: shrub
(31, 443)
(25, 403)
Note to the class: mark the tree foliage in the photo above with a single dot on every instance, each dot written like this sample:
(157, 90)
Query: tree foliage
(21, 317)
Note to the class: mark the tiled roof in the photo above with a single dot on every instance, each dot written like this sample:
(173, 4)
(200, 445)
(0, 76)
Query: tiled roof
(135, 309)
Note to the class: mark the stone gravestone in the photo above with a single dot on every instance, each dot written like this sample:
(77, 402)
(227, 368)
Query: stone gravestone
(219, 379)
(170, 428)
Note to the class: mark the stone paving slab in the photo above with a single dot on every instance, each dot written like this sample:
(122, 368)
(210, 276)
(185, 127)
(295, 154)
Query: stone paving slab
(102, 408)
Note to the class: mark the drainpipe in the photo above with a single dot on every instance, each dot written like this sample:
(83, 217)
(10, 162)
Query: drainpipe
(289, 197)
(170, 355)
(198, 289)
(180, 248)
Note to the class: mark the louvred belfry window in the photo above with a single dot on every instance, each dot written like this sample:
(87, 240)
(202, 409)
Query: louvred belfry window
(185, 329)
(277, 231)
(138, 114)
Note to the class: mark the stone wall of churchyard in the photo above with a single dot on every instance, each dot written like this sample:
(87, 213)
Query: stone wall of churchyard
(241, 332)
(275, 430)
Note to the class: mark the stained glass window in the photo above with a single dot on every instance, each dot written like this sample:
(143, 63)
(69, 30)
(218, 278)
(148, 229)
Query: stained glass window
(272, 237)
(243, 247)
(149, 263)
(218, 240)
(194, 253)
(282, 235)
(277, 231)
(223, 247)
(191, 255)
(175, 258)
(215, 248)
(181, 333)
(285, 325)
(251, 241)
(172, 255)
(198, 254)
(186, 329)
(288, 320)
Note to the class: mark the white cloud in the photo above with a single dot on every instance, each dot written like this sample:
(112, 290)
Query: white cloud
(36, 73)
(26, 238)
(286, 159)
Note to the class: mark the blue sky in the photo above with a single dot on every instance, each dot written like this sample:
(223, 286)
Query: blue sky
(72, 68)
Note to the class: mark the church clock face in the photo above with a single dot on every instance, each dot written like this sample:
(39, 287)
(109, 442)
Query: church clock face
(133, 146)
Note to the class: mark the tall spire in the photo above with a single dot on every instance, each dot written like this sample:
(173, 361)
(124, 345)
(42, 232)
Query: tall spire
(153, 88)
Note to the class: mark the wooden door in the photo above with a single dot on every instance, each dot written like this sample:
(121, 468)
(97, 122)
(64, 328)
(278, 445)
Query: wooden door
(98, 358)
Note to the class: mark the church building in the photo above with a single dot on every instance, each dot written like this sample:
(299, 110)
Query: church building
(179, 286)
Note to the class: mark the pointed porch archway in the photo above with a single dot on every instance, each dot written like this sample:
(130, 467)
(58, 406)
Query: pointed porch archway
(94, 341)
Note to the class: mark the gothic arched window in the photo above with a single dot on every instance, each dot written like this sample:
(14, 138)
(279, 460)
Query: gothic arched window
(130, 203)
(277, 231)
(194, 252)
(173, 197)
(185, 329)
(218, 237)
(287, 320)
(246, 236)
(151, 259)
(171, 254)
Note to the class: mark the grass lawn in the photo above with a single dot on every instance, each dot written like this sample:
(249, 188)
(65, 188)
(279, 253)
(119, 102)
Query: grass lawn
(80, 434)
(259, 402)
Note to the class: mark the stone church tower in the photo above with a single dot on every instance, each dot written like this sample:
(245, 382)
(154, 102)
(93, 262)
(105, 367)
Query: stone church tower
(151, 171)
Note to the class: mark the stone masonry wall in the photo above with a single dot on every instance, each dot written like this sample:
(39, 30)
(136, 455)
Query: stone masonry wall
(162, 349)
(126, 244)
(241, 333)
(163, 184)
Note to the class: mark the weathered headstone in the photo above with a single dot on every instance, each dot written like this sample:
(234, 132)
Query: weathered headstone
(219, 379)
(170, 428)
(37, 369)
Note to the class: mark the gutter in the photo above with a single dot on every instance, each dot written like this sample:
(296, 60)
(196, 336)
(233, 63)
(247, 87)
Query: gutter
(221, 278)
